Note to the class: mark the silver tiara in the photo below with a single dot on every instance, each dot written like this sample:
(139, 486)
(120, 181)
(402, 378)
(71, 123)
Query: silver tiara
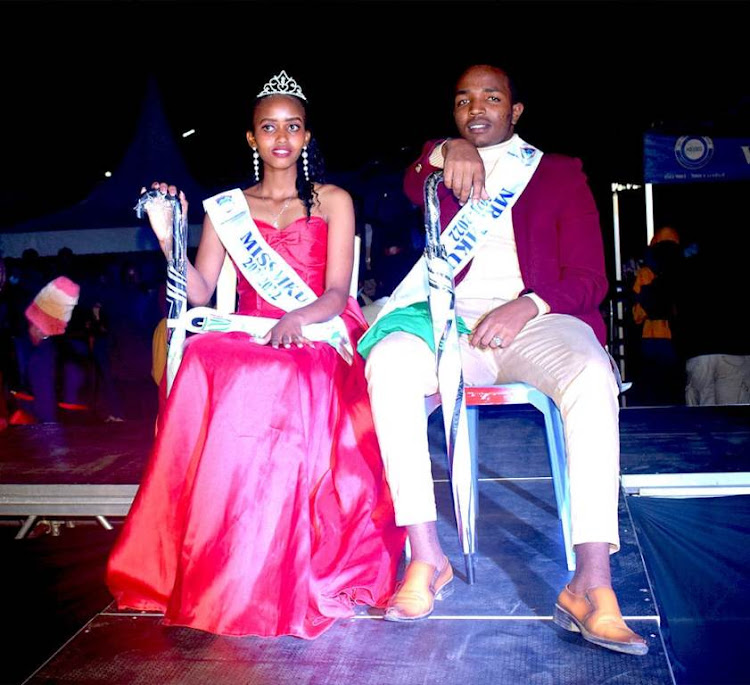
(281, 84)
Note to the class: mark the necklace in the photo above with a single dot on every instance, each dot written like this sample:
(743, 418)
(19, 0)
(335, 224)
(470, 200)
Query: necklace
(275, 222)
(266, 198)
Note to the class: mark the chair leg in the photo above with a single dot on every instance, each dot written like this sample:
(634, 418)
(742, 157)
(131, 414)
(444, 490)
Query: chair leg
(472, 420)
(558, 465)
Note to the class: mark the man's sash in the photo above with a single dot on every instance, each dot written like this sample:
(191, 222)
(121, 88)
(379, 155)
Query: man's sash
(465, 233)
(269, 274)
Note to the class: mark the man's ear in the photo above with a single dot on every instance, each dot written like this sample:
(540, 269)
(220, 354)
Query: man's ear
(517, 112)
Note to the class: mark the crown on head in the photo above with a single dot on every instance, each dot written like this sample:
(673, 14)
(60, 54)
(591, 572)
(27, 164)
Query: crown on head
(281, 84)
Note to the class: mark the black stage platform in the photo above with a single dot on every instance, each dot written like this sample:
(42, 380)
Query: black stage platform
(62, 627)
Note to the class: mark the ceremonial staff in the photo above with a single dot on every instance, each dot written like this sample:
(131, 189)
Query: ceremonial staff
(442, 298)
(170, 222)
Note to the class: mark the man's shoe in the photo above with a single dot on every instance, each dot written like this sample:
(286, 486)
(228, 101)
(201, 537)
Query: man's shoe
(596, 615)
(417, 592)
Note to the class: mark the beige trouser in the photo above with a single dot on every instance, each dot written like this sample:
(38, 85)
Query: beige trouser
(556, 353)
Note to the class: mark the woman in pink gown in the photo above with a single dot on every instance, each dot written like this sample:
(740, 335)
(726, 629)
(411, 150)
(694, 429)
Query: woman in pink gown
(263, 509)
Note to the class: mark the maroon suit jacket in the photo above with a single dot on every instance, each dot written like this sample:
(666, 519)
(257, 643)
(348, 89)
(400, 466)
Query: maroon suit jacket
(557, 230)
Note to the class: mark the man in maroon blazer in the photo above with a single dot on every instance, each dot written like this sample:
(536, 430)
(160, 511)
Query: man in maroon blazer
(527, 300)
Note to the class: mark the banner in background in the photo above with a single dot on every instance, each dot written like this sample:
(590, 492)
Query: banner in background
(690, 159)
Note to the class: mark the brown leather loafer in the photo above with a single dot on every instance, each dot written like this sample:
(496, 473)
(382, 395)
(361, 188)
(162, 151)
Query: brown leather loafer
(417, 592)
(596, 615)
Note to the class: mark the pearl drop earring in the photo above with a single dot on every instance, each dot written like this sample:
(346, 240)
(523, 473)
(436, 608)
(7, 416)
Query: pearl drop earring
(305, 165)
(256, 164)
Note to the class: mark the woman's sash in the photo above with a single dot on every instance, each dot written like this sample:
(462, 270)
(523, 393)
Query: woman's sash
(267, 272)
(208, 320)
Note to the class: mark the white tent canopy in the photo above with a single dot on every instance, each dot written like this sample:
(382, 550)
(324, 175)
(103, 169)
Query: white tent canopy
(105, 221)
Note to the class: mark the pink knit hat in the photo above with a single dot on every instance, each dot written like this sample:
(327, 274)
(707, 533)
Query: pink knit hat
(52, 307)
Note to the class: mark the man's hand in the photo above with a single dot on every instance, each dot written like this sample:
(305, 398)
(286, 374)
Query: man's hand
(463, 170)
(503, 323)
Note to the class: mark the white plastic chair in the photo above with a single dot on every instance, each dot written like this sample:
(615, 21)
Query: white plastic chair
(521, 393)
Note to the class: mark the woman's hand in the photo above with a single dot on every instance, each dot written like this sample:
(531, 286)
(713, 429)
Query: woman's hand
(160, 212)
(286, 333)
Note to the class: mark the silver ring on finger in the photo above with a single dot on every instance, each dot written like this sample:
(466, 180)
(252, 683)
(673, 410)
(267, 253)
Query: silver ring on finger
(496, 341)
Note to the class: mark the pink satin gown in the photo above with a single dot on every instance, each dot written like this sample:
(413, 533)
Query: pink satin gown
(263, 509)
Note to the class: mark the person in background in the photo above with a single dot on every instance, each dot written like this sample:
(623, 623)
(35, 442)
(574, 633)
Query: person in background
(5, 346)
(26, 277)
(106, 398)
(527, 302)
(47, 318)
(661, 377)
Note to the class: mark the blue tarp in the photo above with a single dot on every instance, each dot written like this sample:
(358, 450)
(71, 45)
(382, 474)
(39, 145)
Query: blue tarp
(697, 554)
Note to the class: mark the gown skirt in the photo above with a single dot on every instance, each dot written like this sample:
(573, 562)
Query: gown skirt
(263, 508)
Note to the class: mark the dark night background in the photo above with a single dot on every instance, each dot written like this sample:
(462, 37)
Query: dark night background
(378, 75)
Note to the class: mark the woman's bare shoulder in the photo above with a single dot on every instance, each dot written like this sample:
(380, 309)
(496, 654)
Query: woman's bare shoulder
(332, 199)
(329, 191)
